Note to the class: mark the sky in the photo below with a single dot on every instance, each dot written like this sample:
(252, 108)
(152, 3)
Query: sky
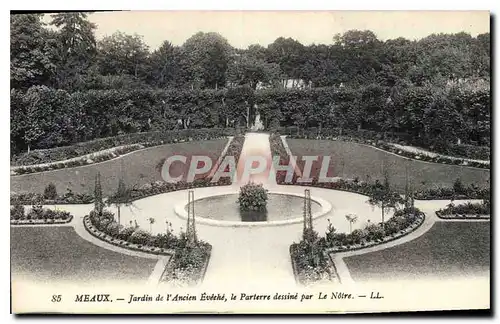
(242, 28)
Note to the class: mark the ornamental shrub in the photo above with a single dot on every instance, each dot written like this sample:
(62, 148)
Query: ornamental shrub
(17, 212)
(50, 192)
(140, 237)
(253, 197)
(125, 233)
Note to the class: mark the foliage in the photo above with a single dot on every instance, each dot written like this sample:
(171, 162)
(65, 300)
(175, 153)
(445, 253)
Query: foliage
(465, 209)
(68, 198)
(252, 197)
(50, 192)
(17, 213)
(98, 200)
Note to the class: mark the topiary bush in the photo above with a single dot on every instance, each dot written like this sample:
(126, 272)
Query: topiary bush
(253, 197)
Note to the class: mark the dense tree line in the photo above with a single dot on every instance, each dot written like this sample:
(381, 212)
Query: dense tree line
(67, 87)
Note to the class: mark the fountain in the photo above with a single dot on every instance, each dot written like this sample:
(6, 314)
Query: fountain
(255, 165)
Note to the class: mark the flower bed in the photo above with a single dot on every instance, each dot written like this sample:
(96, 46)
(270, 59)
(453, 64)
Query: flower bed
(310, 257)
(68, 198)
(465, 211)
(94, 231)
(79, 161)
(445, 193)
(187, 265)
(402, 223)
(38, 216)
(304, 273)
(159, 187)
(145, 139)
(234, 148)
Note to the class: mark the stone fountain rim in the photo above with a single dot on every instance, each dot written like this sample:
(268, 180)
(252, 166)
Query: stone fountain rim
(180, 211)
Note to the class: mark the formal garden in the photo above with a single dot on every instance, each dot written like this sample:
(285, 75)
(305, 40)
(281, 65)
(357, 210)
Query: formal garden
(408, 154)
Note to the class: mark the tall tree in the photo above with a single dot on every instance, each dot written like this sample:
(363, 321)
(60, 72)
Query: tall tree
(123, 54)
(206, 58)
(246, 69)
(164, 65)
(290, 55)
(31, 52)
(76, 45)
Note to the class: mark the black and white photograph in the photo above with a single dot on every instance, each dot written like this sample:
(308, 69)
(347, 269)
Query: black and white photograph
(167, 162)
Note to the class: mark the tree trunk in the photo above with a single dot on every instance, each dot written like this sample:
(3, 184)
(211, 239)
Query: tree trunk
(29, 149)
(119, 214)
(383, 214)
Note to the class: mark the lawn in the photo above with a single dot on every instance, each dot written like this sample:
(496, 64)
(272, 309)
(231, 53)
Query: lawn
(138, 168)
(447, 250)
(55, 254)
(351, 160)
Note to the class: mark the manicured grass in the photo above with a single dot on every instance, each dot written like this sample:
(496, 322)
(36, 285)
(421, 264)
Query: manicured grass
(350, 160)
(138, 167)
(55, 254)
(447, 250)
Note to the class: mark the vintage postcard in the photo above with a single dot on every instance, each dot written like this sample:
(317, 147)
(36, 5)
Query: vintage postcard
(250, 162)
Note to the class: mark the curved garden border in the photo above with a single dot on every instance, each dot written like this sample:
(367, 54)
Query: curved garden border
(420, 220)
(99, 157)
(326, 207)
(124, 244)
(22, 222)
(388, 148)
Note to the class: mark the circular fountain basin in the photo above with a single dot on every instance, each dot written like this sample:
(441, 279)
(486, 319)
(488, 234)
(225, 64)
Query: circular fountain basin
(222, 209)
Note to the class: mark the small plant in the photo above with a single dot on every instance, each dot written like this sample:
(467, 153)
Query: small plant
(50, 192)
(253, 197)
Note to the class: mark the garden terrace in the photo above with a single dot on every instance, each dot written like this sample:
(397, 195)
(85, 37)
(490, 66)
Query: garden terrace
(447, 250)
(55, 254)
(146, 139)
(463, 151)
(137, 168)
(353, 160)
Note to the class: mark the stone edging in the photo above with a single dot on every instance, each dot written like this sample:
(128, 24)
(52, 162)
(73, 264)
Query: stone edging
(326, 207)
(92, 230)
(22, 222)
(462, 216)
